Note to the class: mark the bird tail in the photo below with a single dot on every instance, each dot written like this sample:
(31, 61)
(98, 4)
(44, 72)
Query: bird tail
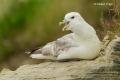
(41, 56)
(35, 50)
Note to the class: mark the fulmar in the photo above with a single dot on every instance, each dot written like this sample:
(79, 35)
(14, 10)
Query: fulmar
(81, 43)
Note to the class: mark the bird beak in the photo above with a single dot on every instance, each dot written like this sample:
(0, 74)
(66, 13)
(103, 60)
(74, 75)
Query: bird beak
(66, 27)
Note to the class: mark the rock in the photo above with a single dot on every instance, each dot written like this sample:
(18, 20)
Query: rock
(105, 67)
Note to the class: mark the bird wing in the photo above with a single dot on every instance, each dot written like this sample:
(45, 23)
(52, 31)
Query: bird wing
(52, 48)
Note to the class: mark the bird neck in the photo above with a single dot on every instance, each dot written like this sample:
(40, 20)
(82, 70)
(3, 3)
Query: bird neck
(84, 31)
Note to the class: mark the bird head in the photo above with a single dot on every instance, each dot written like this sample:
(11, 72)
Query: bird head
(70, 18)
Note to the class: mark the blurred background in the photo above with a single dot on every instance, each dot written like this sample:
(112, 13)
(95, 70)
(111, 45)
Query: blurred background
(26, 24)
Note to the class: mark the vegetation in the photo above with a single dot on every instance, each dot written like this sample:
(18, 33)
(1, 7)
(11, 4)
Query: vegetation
(14, 22)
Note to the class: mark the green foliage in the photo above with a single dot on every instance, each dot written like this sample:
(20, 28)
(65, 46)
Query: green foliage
(14, 21)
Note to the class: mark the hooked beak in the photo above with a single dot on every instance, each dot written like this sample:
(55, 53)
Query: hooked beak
(66, 23)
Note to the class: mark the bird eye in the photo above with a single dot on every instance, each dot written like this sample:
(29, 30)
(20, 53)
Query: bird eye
(72, 17)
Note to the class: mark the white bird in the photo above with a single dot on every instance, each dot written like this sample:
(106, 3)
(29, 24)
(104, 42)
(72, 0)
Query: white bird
(82, 43)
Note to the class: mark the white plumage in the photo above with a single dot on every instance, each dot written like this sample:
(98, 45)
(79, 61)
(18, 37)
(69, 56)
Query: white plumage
(82, 43)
